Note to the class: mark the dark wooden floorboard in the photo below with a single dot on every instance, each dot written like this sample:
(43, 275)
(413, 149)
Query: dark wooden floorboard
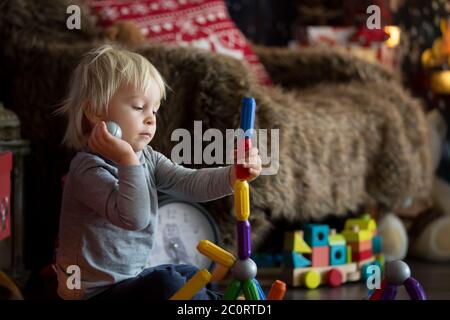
(435, 278)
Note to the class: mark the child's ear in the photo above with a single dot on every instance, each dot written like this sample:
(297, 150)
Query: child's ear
(90, 115)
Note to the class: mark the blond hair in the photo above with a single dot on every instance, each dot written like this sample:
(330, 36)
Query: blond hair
(95, 80)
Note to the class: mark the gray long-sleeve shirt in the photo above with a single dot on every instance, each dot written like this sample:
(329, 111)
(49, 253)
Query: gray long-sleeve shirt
(109, 215)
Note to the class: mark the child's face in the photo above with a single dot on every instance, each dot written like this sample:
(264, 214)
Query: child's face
(135, 113)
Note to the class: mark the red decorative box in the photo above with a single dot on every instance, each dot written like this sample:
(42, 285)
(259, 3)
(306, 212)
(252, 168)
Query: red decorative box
(366, 44)
(5, 193)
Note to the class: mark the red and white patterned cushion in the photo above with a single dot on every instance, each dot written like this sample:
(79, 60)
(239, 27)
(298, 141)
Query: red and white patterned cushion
(199, 23)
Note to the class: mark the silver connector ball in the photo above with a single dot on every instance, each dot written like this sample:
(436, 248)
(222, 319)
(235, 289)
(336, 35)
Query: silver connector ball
(244, 269)
(114, 129)
(397, 272)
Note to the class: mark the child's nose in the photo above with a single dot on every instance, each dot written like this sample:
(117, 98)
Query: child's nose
(150, 119)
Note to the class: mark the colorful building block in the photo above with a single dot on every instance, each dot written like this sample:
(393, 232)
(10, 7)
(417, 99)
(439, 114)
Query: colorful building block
(262, 296)
(381, 260)
(233, 290)
(264, 260)
(377, 244)
(250, 290)
(358, 256)
(219, 272)
(248, 116)
(316, 235)
(349, 254)
(197, 282)
(277, 290)
(362, 223)
(356, 234)
(241, 200)
(244, 239)
(295, 260)
(335, 238)
(320, 256)
(334, 278)
(338, 255)
(247, 125)
(311, 279)
(360, 246)
(293, 241)
(216, 253)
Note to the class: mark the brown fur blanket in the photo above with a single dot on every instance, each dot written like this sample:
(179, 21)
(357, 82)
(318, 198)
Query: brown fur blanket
(349, 133)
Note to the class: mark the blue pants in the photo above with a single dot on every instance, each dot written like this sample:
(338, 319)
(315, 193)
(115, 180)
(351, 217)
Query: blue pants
(156, 283)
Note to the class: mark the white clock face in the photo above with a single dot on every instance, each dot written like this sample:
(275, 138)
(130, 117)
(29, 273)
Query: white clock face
(180, 227)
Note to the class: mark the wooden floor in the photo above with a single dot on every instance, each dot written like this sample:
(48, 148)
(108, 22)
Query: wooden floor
(435, 279)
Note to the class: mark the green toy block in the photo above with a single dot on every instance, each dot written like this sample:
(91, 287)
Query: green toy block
(233, 290)
(250, 290)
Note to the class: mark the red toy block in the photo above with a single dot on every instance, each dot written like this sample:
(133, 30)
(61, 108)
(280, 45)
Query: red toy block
(241, 172)
(334, 278)
(359, 256)
(376, 295)
(361, 246)
(320, 256)
(5, 193)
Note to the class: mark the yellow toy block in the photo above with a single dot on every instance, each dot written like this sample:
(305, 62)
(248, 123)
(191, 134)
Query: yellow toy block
(241, 200)
(349, 254)
(216, 253)
(363, 224)
(356, 234)
(194, 285)
(312, 279)
(219, 272)
(293, 241)
(335, 239)
(297, 277)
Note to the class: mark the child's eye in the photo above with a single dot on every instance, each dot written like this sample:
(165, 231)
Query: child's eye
(138, 108)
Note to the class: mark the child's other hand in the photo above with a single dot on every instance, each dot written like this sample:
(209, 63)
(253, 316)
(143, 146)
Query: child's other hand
(117, 150)
(252, 161)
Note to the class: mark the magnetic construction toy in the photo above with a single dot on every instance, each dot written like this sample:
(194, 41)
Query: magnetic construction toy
(243, 269)
(398, 273)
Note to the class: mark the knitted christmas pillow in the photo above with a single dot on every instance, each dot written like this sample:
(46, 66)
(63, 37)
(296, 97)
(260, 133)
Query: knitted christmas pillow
(199, 23)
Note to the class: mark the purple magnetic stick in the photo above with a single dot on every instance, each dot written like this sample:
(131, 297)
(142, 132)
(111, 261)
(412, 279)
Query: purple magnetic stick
(244, 240)
(389, 292)
(414, 289)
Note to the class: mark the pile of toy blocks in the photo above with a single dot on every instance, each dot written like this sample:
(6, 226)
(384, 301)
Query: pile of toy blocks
(317, 255)
(321, 246)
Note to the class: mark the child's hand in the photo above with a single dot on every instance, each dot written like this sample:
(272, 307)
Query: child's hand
(117, 150)
(252, 162)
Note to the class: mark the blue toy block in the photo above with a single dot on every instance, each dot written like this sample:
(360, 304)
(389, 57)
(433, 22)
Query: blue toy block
(364, 274)
(248, 116)
(377, 245)
(295, 260)
(264, 260)
(279, 258)
(262, 296)
(338, 255)
(316, 235)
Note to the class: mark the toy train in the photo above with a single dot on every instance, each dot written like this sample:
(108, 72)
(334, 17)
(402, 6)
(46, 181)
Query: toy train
(317, 255)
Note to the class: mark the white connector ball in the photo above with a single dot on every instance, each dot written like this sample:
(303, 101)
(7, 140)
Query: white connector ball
(114, 129)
